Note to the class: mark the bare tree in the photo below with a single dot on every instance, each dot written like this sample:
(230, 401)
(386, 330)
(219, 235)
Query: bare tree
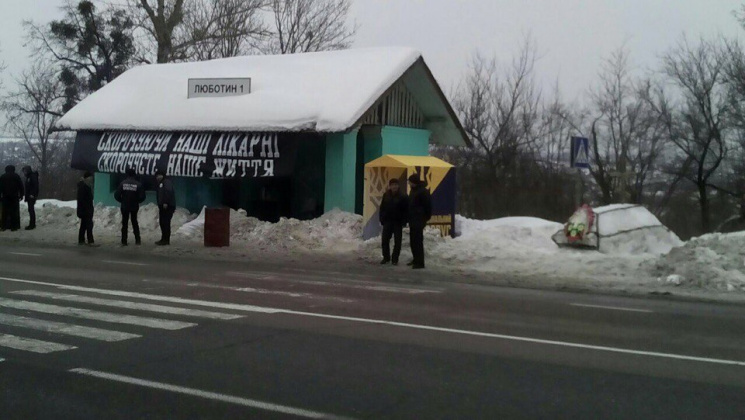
(184, 30)
(700, 123)
(224, 28)
(500, 109)
(310, 25)
(33, 108)
(627, 137)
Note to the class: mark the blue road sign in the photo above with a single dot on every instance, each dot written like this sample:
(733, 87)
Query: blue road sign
(580, 153)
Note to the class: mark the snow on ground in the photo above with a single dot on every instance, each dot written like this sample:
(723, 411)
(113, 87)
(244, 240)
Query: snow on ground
(334, 232)
(523, 246)
(517, 247)
(715, 261)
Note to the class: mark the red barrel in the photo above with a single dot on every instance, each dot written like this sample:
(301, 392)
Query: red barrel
(217, 227)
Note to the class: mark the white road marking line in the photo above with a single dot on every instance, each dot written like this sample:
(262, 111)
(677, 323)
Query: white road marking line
(612, 308)
(261, 405)
(266, 310)
(2, 360)
(26, 254)
(379, 288)
(29, 344)
(65, 329)
(95, 315)
(124, 263)
(129, 305)
(159, 298)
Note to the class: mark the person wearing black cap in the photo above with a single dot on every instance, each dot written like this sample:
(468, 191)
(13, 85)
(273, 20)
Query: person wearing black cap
(11, 194)
(32, 193)
(420, 211)
(85, 209)
(130, 193)
(166, 207)
(393, 218)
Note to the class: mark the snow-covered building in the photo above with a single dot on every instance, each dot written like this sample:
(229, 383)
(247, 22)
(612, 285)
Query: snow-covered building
(277, 135)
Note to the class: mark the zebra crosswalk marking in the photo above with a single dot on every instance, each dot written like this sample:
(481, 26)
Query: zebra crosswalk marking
(64, 329)
(198, 313)
(95, 315)
(32, 345)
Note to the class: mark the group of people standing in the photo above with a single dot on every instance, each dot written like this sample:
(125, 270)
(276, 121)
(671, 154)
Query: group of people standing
(396, 210)
(130, 193)
(13, 190)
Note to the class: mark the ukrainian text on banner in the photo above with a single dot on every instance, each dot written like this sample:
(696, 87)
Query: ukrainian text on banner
(212, 155)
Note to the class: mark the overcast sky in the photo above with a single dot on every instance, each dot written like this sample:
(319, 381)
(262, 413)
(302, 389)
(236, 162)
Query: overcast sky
(572, 35)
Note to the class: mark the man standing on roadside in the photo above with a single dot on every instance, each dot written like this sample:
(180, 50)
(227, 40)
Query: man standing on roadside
(130, 193)
(85, 209)
(420, 211)
(166, 207)
(11, 193)
(32, 193)
(393, 218)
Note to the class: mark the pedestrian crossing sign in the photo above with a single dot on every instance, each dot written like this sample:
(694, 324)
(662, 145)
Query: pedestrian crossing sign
(580, 153)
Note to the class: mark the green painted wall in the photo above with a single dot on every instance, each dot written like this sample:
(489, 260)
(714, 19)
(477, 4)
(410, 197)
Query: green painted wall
(102, 191)
(341, 160)
(191, 193)
(404, 141)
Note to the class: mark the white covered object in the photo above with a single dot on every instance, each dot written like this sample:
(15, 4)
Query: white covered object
(324, 91)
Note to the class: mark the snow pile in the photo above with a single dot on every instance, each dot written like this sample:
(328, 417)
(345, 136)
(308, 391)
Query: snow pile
(63, 216)
(713, 261)
(632, 230)
(335, 231)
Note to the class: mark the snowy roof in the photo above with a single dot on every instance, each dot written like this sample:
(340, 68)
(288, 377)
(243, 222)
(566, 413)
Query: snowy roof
(324, 91)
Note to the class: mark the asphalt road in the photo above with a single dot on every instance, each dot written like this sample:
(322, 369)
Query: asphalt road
(100, 333)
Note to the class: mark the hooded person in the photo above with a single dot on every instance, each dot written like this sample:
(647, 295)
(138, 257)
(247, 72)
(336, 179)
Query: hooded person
(11, 193)
(31, 188)
(130, 193)
(393, 215)
(420, 211)
(166, 206)
(85, 209)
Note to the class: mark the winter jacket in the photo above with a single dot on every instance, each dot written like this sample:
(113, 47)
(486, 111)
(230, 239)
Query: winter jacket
(11, 185)
(85, 199)
(32, 184)
(130, 193)
(393, 208)
(420, 206)
(166, 194)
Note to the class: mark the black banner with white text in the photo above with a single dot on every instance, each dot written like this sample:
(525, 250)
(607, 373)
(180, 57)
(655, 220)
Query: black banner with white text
(188, 154)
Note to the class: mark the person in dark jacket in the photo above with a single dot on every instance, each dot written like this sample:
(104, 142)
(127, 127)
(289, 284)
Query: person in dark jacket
(85, 209)
(393, 218)
(32, 193)
(420, 211)
(11, 193)
(130, 194)
(166, 207)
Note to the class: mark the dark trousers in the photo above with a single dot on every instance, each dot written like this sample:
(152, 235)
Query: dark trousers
(11, 214)
(86, 229)
(31, 212)
(417, 244)
(394, 230)
(128, 215)
(165, 216)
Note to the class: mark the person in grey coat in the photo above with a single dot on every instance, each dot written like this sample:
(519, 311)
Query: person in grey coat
(166, 206)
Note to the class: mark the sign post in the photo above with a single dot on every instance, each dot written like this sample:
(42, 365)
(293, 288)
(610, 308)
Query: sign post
(580, 159)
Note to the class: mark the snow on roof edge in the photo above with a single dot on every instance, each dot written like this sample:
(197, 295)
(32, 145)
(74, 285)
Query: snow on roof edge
(322, 92)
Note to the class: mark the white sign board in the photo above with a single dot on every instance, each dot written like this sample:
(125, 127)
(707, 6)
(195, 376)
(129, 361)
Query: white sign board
(218, 88)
